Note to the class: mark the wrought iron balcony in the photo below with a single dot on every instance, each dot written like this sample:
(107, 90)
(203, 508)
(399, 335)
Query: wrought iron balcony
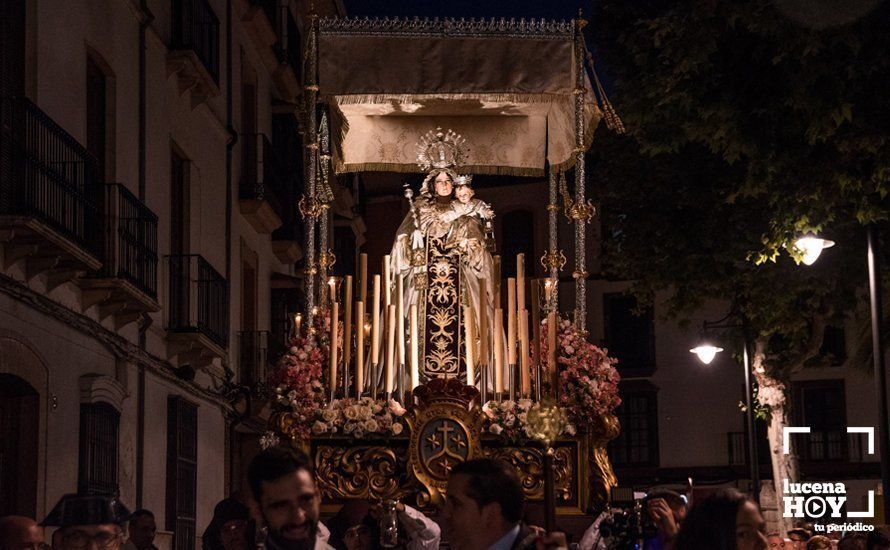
(261, 191)
(194, 51)
(127, 283)
(50, 193)
(197, 310)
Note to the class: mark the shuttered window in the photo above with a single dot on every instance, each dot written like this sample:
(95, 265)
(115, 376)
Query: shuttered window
(182, 471)
(97, 472)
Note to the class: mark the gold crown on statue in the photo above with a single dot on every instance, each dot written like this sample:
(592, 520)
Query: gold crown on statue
(439, 150)
(464, 180)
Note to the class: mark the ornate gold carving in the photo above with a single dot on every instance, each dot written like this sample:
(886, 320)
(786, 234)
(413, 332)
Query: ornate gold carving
(368, 472)
(529, 463)
(444, 433)
(601, 477)
(551, 260)
(309, 207)
(326, 259)
(575, 210)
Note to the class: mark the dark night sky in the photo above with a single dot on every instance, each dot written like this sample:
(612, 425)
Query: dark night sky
(548, 9)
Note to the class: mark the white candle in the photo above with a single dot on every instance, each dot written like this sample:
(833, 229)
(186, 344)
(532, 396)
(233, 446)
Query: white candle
(390, 348)
(335, 307)
(375, 326)
(470, 335)
(298, 324)
(400, 325)
(520, 282)
(359, 348)
(387, 282)
(499, 351)
(484, 355)
(363, 273)
(415, 346)
(511, 321)
(347, 323)
(523, 353)
(332, 282)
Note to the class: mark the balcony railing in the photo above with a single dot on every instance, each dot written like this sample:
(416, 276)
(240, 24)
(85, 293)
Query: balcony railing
(261, 176)
(196, 28)
(254, 355)
(46, 174)
(198, 298)
(131, 247)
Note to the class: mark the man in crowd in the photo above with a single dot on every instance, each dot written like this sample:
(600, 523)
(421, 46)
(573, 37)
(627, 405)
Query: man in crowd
(88, 521)
(20, 533)
(357, 527)
(286, 500)
(667, 509)
(483, 509)
(141, 530)
(799, 537)
(879, 539)
(775, 541)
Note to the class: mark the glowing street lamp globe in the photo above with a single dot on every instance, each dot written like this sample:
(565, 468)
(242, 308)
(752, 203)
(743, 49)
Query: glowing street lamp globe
(812, 246)
(706, 352)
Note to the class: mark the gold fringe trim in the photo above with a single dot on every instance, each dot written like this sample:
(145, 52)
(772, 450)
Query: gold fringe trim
(412, 169)
(505, 97)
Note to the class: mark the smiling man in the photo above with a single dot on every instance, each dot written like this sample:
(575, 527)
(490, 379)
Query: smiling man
(286, 499)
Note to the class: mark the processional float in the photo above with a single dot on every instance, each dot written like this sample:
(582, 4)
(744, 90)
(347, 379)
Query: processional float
(361, 386)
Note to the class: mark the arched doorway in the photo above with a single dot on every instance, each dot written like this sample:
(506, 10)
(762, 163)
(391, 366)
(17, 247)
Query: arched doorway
(19, 436)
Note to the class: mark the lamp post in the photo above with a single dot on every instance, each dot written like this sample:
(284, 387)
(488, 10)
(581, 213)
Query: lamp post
(706, 352)
(876, 303)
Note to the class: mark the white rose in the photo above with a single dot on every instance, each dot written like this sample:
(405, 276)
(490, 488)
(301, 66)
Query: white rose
(319, 427)
(329, 415)
(371, 426)
(397, 428)
(524, 404)
(496, 429)
(507, 405)
(365, 413)
(294, 349)
(351, 413)
(570, 429)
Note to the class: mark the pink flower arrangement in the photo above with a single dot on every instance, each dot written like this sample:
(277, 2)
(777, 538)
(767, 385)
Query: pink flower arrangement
(588, 380)
(297, 378)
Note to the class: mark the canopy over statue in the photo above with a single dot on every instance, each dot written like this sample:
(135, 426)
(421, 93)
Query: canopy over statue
(508, 87)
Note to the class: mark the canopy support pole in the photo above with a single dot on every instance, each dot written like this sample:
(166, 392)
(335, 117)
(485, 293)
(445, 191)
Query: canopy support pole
(311, 213)
(580, 273)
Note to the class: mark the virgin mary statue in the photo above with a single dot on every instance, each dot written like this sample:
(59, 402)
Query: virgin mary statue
(441, 258)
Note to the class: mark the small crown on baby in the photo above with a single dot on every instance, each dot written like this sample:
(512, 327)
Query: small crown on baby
(464, 180)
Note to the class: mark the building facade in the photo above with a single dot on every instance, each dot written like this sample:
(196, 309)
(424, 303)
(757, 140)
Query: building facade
(150, 245)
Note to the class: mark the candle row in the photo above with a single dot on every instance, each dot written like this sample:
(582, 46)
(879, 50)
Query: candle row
(486, 340)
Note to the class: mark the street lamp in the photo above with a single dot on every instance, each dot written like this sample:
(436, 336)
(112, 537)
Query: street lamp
(877, 349)
(811, 245)
(706, 352)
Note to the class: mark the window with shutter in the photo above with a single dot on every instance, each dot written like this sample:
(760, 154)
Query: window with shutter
(182, 471)
(99, 424)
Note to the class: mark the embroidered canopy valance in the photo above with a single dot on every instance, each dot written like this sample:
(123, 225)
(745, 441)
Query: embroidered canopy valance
(509, 87)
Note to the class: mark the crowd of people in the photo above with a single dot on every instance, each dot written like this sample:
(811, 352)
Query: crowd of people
(484, 509)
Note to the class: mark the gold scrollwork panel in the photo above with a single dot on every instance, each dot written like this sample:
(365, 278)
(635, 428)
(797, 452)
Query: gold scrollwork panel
(366, 472)
(529, 463)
